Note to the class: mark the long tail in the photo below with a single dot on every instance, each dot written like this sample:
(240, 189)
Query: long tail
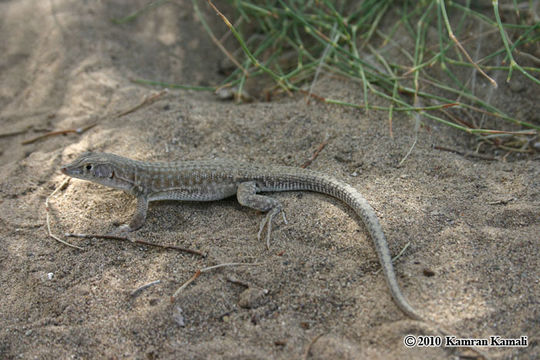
(301, 179)
(359, 204)
(321, 183)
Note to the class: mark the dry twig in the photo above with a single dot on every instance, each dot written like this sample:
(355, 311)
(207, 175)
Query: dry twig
(465, 153)
(16, 132)
(137, 291)
(47, 208)
(397, 256)
(317, 152)
(60, 132)
(142, 242)
(206, 269)
(146, 101)
(308, 348)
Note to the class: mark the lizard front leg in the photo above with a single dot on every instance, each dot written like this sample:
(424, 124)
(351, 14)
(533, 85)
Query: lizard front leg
(139, 217)
(247, 196)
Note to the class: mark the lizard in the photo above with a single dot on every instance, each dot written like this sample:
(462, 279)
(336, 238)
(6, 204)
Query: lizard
(208, 180)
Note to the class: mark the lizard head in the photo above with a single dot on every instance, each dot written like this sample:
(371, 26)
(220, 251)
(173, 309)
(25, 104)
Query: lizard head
(101, 168)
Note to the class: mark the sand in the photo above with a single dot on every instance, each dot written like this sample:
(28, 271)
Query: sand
(472, 225)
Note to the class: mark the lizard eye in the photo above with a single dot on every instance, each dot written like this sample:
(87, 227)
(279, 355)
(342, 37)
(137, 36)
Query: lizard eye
(88, 167)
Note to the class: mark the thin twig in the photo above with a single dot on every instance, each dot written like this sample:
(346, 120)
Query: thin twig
(465, 153)
(137, 291)
(458, 44)
(60, 132)
(135, 14)
(323, 59)
(216, 40)
(146, 101)
(317, 152)
(401, 252)
(237, 281)
(137, 241)
(47, 208)
(281, 81)
(308, 348)
(478, 68)
(416, 129)
(398, 255)
(206, 269)
(501, 202)
(17, 132)
(315, 96)
(213, 267)
(184, 285)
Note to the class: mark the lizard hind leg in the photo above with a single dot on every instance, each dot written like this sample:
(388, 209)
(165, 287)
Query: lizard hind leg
(247, 196)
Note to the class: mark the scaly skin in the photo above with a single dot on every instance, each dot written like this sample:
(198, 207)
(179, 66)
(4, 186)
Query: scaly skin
(217, 179)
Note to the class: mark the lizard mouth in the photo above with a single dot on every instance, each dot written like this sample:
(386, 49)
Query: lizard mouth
(63, 169)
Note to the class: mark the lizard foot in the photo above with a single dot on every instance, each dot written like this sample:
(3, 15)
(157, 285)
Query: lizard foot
(267, 221)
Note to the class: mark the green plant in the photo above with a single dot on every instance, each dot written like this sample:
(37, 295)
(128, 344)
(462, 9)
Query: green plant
(354, 40)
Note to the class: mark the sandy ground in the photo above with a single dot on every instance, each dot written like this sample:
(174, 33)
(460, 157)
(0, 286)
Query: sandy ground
(473, 225)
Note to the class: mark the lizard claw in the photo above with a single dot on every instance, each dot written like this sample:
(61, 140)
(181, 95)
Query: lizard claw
(284, 218)
(267, 221)
(124, 228)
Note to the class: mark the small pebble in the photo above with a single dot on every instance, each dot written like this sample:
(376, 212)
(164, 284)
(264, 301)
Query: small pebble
(517, 85)
(252, 298)
(179, 317)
